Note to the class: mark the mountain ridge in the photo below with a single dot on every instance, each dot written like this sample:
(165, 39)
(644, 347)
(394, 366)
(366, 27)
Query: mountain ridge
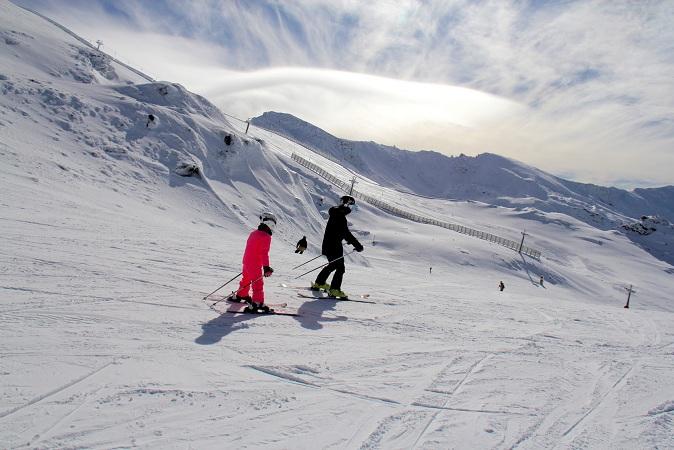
(354, 154)
(492, 179)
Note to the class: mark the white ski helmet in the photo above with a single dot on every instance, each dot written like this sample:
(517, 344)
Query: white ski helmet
(268, 219)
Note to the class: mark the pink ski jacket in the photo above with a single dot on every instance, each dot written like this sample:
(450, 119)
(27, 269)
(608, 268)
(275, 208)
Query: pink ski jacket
(257, 249)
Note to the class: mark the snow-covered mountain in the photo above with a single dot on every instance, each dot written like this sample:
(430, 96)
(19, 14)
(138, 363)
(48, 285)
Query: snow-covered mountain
(81, 93)
(491, 179)
(113, 227)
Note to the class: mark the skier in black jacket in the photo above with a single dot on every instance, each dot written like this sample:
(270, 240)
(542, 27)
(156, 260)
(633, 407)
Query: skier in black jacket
(301, 245)
(335, 231)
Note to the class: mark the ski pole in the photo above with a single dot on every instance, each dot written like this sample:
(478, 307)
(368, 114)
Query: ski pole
(329, 262)
(240, 273)
(312, 259)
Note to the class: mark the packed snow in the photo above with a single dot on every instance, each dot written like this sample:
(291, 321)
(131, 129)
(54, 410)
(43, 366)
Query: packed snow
(114, 226)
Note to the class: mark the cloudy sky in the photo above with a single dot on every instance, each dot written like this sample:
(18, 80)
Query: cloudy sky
(582, 89)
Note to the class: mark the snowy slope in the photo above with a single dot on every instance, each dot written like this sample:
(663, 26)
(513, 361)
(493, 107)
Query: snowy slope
(106, 252)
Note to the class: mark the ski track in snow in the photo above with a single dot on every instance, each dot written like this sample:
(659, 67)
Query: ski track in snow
(649, 339)
(449, 395)
(596, 404)
(41, 436)
(296, 380)
(412, 419)
(55, 391)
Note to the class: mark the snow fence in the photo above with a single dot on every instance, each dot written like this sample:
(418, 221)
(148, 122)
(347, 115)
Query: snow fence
(513, 245)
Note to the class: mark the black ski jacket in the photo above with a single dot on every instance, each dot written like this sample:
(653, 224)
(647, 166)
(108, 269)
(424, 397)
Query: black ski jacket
(337, 230)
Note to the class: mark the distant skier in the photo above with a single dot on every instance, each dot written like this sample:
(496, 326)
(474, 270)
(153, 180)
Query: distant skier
(335, 231)
(541, 281)
(228, 139)
(150, 120)
(256, 264)
(430, 270)
(501, 286)
(301, 245)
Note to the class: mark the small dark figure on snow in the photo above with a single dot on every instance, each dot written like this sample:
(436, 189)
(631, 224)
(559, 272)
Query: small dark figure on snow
(301, 245)
(430, 270)
(256, 264)
(541, 281)
(501, 286)
(228, 139)
(150, 119)
(336, 231)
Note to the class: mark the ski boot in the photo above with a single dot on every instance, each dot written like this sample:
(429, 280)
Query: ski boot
(238, 299)
(258, 308)
(319, 287)
(264, 309)
(337, 293)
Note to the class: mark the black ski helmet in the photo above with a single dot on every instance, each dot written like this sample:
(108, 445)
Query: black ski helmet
(347, 200)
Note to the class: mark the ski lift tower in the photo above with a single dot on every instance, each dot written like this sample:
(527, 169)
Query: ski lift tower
(353, 181)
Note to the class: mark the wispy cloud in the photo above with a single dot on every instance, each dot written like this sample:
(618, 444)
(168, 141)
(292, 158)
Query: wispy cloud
(358, 102)
(573, 87)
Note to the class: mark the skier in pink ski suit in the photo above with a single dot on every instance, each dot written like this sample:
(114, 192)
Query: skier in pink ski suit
(256, 261)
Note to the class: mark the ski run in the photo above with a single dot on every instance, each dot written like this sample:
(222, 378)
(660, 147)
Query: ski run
(107, 252)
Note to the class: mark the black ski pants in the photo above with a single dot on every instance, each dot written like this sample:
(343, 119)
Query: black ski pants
(337, 266)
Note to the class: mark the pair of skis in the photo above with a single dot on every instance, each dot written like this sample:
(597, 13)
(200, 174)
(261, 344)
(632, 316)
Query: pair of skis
(324, 295)
(243, 308)
(279, 308)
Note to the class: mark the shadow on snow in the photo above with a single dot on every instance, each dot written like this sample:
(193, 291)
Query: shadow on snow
(311, 318)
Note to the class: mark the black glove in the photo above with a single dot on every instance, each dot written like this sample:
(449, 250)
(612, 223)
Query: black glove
(358, 246)
(268, 271)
